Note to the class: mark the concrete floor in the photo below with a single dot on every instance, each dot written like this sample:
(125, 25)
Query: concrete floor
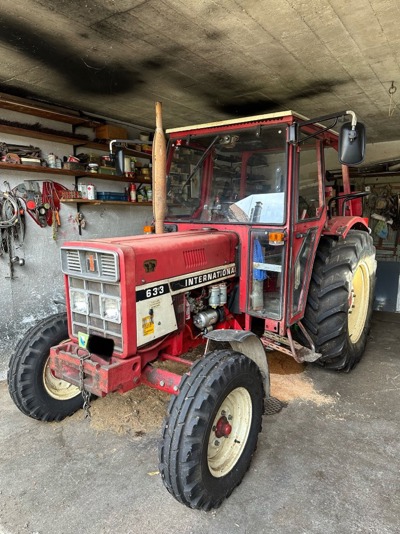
(325, 469)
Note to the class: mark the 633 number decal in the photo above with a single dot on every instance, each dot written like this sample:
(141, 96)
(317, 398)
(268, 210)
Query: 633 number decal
(152, 292)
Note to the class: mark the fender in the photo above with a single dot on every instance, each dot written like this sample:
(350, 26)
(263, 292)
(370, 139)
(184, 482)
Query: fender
(248, 344)
(340, 226)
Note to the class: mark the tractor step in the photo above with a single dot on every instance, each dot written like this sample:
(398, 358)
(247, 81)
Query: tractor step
(273, 405)
(282, 344)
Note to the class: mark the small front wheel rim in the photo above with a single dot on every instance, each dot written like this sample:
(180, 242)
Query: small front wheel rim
(229, 432)
(56, 387)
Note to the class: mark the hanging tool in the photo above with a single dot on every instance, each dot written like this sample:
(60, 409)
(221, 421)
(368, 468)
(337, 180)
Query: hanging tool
(80, 220)
(12, 227)
(51, 195)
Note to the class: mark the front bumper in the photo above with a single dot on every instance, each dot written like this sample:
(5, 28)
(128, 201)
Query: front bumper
(100, 377)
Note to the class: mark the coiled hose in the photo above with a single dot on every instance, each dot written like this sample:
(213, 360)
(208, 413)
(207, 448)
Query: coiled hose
(9, 210)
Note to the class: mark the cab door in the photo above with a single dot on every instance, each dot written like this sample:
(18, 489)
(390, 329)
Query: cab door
(308, 218)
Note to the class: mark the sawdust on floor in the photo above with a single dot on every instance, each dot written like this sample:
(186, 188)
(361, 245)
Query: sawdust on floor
(136, 412)
(289, 383)
(143, 409)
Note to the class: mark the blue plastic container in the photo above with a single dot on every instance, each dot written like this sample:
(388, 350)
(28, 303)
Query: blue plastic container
(108, 195)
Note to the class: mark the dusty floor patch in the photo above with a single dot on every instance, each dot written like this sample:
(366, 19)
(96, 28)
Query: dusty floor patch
(142, 410)
(135, 413)
(289, 383)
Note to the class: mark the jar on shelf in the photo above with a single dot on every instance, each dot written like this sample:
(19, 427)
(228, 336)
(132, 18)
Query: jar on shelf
(82, 188)
(91, 192)
(93, 167)
(51, 160)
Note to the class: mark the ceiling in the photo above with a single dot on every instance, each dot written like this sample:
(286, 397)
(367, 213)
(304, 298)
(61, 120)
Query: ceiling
(206, 59)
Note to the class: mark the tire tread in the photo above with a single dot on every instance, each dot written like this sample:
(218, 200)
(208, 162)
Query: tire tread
(186, 423)
(326, 314)
(22, 371)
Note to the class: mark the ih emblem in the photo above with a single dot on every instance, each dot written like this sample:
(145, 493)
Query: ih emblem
(150, 266)
(91, 263)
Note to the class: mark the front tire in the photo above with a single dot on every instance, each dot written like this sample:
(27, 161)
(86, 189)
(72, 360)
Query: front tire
(32, 386)
(211, 430)
(340, 299)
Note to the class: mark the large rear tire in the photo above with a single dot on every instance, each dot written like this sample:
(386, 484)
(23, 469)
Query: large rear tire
(340, 299)
(32, 386)
(211, 430)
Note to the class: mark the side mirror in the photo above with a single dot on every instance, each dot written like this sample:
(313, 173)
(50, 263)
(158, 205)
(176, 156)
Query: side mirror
(119, 160)
(352, 144)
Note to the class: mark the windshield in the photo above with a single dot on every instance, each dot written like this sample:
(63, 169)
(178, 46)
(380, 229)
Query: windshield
(234, 176)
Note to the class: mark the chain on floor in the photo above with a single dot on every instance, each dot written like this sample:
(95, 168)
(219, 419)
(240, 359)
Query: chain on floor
(85, 394)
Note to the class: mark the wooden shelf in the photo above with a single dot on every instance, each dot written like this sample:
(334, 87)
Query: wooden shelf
(105, 147)
(55, 113)
(37, 109)
(40, 169)
(65, 140)
(37, 134)
(96, 202)
(65, 172)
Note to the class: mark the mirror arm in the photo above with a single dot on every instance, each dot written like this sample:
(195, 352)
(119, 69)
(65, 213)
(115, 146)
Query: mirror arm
(336, 116)
(297, 142)
(293, 128)
(124, 142)
(353, 119)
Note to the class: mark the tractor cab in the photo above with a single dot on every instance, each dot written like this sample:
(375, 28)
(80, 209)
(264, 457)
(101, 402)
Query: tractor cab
(263, 178)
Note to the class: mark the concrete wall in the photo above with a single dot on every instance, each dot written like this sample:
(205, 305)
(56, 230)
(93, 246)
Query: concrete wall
(30, 295)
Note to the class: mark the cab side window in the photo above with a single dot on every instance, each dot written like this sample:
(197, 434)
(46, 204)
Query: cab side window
(308, 191)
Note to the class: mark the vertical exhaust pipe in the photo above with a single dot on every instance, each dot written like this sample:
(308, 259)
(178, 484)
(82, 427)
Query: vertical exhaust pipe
(159, 173)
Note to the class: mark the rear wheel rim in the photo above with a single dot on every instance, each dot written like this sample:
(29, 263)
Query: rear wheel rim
(358, 302)
(56, 387)
(229, 433)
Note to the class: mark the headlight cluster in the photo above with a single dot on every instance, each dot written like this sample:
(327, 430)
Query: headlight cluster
(108, 308)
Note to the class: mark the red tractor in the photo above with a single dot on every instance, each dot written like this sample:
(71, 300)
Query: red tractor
(252, 256)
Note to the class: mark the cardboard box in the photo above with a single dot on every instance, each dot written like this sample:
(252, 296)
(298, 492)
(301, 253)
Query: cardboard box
(74, 166)
(107, 170)
(108, 131)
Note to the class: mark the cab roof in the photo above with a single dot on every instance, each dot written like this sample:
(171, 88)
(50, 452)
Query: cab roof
(239, 120)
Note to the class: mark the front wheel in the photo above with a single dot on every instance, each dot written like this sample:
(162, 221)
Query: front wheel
(211, 430)
(340, 299)
(32, 385)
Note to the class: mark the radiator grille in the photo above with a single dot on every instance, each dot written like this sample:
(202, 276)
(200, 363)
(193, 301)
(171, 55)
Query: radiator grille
(95, 321)
(73, 261)
(107, 265)
(90, 264)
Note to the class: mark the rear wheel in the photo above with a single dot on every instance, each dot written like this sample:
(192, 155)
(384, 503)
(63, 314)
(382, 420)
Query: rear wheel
(211, 431)
(340, 299)
(32, 385)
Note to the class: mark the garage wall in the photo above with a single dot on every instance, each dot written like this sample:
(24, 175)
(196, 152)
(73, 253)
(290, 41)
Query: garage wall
(31, 295)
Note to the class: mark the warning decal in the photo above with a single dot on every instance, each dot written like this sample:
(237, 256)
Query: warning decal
(147, 325)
